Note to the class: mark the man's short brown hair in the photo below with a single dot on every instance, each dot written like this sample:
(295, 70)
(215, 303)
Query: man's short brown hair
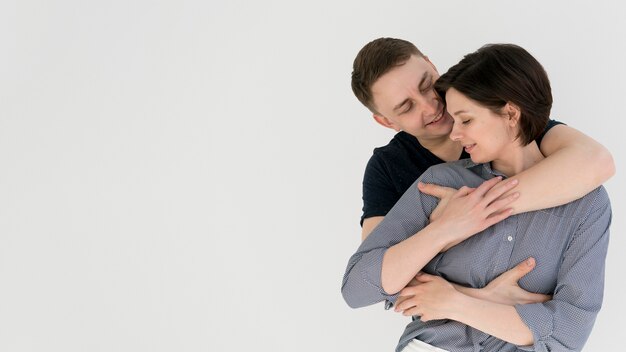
(374, 60)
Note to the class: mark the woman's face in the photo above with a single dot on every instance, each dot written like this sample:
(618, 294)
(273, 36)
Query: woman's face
(485, 135)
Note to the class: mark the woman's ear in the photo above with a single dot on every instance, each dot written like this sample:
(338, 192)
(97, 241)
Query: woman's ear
(513, 113)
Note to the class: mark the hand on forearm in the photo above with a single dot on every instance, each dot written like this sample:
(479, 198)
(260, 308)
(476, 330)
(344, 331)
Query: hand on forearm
(435, 298)
(499, 320)
(404, 260)
(430, 298)
(505, 288)
(468, 211)
(559, 179)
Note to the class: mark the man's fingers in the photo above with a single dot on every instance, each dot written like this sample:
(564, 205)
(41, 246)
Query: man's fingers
(399, 302)
(407, 291)
(540, 298)
(501, 203)
(403, 305)
(499, 189)
(487, 185)
(413, 282)
(435, 190)
(520, 270)
(525, 267)
(535, 298)
(423, 277)
(497, 217)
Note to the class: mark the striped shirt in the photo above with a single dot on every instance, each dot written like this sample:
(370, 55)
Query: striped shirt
(569, 244)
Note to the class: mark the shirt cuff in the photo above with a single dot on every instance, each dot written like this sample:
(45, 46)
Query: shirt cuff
(538, 318)
(372, 272)
(388, 304)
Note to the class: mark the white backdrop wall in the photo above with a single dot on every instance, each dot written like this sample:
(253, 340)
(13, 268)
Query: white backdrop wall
(186, 175)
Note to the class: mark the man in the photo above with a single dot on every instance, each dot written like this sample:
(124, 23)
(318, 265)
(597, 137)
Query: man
(394, 80)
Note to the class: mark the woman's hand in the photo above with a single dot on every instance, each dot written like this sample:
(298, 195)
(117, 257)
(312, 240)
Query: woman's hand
(443, 193)
(468, 211)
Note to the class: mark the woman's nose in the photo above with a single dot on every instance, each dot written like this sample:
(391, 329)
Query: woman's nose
(455, 134)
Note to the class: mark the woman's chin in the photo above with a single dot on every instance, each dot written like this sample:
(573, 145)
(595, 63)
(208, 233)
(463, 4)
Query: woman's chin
(476, 159)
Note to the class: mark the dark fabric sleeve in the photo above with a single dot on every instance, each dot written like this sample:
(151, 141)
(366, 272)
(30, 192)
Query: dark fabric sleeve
(379, 194)
(551, 124)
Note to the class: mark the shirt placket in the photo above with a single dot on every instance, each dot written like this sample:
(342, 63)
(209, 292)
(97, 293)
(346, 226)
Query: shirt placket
(506, 234)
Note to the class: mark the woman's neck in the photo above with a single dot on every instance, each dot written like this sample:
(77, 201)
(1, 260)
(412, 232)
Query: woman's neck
(517, 159)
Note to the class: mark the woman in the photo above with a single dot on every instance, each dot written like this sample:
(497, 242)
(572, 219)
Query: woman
(500, 99)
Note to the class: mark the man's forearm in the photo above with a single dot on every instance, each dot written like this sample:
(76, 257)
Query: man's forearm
(369, 225)
(574, 165)
(499, 320)
(470, 291)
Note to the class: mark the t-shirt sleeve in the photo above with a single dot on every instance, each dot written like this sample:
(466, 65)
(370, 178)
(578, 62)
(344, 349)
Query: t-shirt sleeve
(379, 194)
(551, 124)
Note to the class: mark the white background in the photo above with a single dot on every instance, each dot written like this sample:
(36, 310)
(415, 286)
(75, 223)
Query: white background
(186, 175)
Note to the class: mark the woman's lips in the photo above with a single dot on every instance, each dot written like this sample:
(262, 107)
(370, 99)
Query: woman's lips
(469, 147)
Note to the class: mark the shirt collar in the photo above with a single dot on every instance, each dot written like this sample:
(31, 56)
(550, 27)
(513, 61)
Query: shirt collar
(484, 169)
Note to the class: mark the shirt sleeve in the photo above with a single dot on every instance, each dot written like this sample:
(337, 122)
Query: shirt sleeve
(551, 124)
(379, 193)
(361, 284)
(564, 323)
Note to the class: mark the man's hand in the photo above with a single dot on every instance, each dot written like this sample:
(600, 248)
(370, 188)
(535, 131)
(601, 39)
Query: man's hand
(505, 288)
(430, 298)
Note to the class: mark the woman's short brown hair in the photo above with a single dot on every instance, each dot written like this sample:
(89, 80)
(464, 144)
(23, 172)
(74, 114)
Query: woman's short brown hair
(499, 73)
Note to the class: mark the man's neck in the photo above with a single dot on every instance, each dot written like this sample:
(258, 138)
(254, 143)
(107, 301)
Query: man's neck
(444, 148)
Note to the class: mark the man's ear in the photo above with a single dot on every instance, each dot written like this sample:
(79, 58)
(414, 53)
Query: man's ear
(385, 122)
(430, 62)
(513, 113)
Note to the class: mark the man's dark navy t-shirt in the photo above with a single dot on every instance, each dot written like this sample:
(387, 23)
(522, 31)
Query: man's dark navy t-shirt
(394, 167)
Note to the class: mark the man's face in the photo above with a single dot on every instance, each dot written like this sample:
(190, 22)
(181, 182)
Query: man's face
(405, 100)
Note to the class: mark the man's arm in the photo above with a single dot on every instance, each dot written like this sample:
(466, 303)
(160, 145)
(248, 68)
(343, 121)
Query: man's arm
(438, 299)
(370, 224)
(575, 165)
(504, 289)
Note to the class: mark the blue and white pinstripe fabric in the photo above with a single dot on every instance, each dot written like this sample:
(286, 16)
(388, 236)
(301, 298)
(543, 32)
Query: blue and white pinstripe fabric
(569, 244)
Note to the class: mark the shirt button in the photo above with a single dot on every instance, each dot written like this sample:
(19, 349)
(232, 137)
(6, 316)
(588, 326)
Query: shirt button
(510, 238)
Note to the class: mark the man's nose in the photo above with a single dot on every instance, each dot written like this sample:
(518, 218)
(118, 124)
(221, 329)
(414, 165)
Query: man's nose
(432, 105)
